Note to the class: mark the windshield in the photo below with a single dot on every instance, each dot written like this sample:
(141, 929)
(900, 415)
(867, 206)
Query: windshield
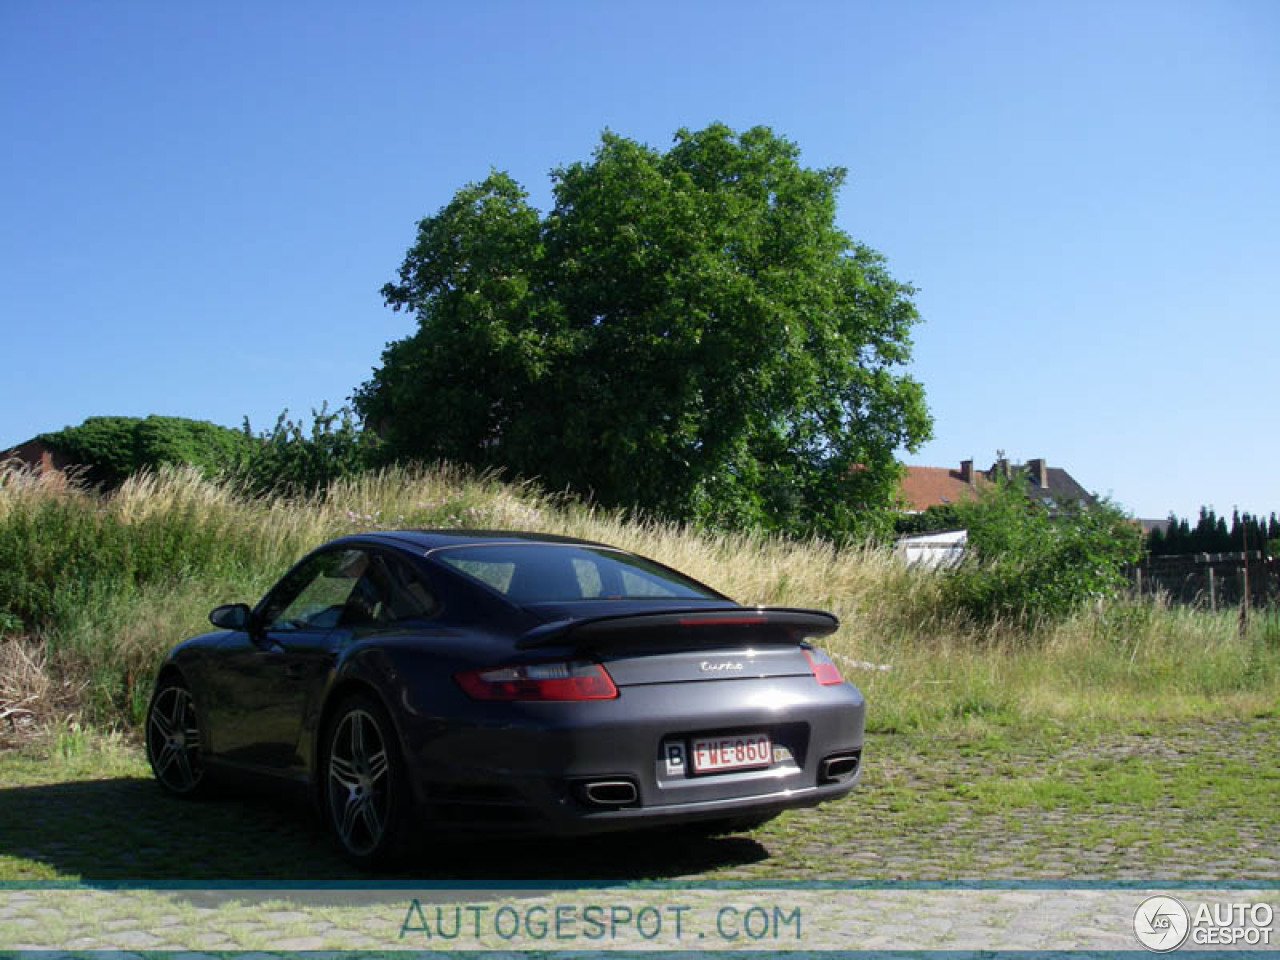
(551, 573)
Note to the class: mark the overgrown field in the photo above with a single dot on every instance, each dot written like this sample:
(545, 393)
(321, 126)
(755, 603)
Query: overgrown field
(94, 589)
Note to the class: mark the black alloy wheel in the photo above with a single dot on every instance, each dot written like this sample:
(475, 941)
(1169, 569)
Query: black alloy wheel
(366, 801)
(173, 740)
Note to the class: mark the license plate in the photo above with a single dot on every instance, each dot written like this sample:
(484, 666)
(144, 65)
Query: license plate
(732, 753)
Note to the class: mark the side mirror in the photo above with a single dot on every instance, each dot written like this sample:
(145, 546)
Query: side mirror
(231, 616)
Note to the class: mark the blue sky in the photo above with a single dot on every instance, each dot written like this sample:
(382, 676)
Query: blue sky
(200, 202)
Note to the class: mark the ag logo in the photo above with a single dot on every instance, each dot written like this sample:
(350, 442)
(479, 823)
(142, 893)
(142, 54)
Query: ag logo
(1161, 924)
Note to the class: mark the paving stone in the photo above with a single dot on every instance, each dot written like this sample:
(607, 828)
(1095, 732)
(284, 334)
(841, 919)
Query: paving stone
(300, 943)
(135, 939)
(287, 916)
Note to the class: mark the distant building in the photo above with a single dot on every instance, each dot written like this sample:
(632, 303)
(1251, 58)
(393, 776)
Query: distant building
(1149, 524)
(925, 487)
(38, 456)
(942, 548)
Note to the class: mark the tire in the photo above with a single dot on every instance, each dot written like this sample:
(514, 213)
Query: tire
(365, 798)
(173, 740)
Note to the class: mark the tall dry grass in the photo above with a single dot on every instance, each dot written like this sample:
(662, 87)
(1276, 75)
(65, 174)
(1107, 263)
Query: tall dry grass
(101, 586)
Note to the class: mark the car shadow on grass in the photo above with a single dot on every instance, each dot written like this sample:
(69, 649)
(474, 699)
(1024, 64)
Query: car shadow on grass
(127, 830)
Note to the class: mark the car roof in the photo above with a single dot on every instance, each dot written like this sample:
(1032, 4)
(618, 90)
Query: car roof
(429, 540)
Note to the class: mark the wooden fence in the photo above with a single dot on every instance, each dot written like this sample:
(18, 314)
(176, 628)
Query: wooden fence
(1210, 580)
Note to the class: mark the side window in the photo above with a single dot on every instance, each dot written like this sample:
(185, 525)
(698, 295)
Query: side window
(349, 588)
(636, 584)
(497, 575)
(407, 597)
(588, 574)
(316, 595)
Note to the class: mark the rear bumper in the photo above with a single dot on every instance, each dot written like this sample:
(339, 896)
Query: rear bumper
(524, 767)
(629, 818)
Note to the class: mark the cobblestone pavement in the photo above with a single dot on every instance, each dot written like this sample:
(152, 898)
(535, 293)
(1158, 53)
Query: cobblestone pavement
(1194, 803)
(1181, 804)
(647, 918)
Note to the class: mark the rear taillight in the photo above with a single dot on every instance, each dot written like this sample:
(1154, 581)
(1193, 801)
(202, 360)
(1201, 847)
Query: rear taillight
(577, 680)
(824, 671)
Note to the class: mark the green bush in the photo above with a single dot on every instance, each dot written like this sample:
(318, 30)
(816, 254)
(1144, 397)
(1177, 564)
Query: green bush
(1031, 561)
(289, 459)
(206, 446)
(939, 517)
(112, 448)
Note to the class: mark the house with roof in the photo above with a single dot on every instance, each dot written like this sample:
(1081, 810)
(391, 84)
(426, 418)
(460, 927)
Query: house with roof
(37, 456)
(38, 459)
(925, 487)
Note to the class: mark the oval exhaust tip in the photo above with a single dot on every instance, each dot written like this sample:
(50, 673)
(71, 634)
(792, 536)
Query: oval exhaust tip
(611, 793)
(839, 767)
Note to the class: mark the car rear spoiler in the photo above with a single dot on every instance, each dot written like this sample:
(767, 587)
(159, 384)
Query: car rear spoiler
(779, 624)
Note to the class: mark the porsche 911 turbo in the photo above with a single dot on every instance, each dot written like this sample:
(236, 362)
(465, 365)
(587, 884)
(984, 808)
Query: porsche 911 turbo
(515, 682)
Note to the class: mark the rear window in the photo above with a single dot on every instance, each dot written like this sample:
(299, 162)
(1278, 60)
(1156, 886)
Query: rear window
(546, 573)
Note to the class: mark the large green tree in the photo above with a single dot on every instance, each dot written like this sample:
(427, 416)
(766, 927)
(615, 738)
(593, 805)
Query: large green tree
(687, 332)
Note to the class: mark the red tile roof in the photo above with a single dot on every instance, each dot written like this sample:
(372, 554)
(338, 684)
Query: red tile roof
(924, 487)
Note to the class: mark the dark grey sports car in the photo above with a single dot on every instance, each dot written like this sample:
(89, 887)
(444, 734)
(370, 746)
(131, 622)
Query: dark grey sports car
(507, 681)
